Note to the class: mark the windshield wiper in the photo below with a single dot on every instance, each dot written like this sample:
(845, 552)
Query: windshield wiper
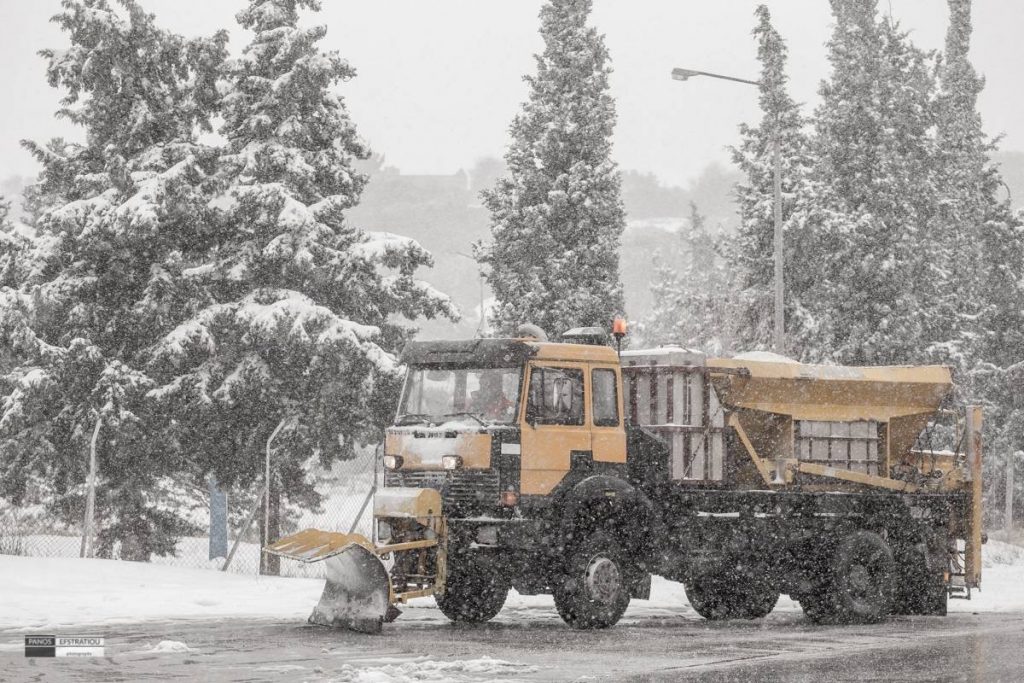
(467, 414)
(410, 418)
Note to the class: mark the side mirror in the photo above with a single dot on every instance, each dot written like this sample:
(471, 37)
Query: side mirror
(531, 414)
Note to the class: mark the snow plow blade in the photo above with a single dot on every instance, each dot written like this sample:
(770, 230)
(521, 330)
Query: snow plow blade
(360, 594)
(357, 594)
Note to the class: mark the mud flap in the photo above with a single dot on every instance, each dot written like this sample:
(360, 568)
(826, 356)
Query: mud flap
(356, 595)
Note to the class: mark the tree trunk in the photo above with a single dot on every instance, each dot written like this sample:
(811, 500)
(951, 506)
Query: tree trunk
(1008, 515)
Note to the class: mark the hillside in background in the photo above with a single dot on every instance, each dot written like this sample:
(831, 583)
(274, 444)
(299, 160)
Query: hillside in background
(1011, 166)
(11, 188)
(444, 214)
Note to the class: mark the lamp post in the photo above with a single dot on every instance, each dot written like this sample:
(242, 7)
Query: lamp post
(779, 330)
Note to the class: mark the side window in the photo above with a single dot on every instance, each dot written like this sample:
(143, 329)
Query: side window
(556, 396)
(606, 400)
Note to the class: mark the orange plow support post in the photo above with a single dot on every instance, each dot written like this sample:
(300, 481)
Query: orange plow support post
(359, 593)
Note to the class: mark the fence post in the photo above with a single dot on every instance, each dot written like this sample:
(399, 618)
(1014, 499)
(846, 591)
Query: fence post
(362, 509)
(90, 494)
(218, 520)
(1008, 519)
(271, 564)
(245, 530)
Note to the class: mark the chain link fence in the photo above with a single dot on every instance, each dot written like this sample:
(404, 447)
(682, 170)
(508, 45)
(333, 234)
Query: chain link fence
(345, 489)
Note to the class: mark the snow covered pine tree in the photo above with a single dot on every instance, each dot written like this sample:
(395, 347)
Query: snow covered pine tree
(11, 245)
(880, 284)
(752, 251)
(113, 213)
(302, 306)
(985, 339)
(692, 294)
(557, 219)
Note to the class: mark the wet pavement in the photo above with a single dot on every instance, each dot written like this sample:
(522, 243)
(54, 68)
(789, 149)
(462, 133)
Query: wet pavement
(782, 647)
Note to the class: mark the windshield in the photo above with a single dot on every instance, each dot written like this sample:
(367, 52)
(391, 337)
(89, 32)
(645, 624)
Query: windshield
(487, 395)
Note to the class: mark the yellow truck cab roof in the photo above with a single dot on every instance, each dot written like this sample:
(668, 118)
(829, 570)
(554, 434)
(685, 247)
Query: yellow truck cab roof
(574, 352)
(500, 352)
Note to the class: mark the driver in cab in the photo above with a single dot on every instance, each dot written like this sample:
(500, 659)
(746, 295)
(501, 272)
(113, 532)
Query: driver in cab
(490, 401)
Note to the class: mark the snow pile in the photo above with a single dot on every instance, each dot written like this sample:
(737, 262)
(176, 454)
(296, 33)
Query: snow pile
(168, 646)
(51, 592)
(997, 553)
(392, 670)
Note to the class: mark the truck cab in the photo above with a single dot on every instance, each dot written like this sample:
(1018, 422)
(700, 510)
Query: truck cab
(526, 442)
(499, 423)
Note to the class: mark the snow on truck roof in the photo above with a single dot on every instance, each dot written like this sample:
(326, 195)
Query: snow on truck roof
(785, 368)
(500, 352)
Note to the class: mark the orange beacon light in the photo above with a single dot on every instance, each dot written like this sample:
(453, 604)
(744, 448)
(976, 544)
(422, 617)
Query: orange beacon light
(619, 331)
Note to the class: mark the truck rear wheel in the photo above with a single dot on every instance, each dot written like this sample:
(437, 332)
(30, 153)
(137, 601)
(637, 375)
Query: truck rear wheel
(473, 593)
(594, 591)
(859, 588)
(921, 587)
(726, 597)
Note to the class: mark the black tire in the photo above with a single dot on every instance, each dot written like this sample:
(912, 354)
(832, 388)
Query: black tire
(594, 589)
(859, 588)
(818, 607)
(474, 593)
(727, 597)
(921, 584)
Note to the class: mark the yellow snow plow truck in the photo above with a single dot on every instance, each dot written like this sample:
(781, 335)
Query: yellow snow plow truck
(566, 468)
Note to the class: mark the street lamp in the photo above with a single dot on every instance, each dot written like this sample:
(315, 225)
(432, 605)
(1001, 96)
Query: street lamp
(687, 74)
(778, 336)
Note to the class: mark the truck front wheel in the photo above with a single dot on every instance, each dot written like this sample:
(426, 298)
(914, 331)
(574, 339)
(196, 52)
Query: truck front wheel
(594, 590)
(473, 592)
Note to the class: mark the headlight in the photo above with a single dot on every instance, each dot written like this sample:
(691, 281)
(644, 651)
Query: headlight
(451, 462)
(383, 530)
(392, 462)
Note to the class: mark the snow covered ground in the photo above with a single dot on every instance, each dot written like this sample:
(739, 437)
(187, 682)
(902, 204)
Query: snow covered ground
(54, 592)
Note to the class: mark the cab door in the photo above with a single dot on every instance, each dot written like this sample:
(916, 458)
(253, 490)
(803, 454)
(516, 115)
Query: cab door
(608, 439)
(555, 424)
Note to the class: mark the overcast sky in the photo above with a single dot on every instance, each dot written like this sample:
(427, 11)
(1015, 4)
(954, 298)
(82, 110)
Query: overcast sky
(439, 81)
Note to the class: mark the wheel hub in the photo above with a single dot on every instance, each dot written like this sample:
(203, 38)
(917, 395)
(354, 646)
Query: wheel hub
(860, 579)
(602, 579)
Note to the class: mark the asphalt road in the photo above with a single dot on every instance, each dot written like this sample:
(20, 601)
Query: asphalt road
(782, 647)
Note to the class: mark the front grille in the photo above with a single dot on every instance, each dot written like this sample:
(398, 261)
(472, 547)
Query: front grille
(478, 488)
